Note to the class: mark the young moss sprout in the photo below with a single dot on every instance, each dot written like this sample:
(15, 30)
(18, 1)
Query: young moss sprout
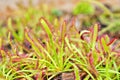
(58, 50)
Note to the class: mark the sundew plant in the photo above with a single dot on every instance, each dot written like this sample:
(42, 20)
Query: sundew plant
(60, 49)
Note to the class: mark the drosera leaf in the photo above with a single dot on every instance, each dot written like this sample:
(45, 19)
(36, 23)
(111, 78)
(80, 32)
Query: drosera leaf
(94, 36)
(25, 75)
(67, 64)
(19, 36)
(117, 70)
(36, 48)
(8, 74)
(33, 43)
(87, 77)
(68, 43)
(99, 64)
(14, 48)
(111, 42)
(21, 29)
(107, 38)
(76, 71)
(61, 56)
(88, 73)
(79, 52)
(46, 27)
(63, 31)
(82, 33)
(56, 23)
(104, 45)
(53, 61)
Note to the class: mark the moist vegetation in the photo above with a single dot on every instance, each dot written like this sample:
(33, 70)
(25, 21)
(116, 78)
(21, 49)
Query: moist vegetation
(41, 43)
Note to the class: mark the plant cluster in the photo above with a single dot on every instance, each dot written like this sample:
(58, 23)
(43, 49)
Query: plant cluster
(58, 49)
(45, 50)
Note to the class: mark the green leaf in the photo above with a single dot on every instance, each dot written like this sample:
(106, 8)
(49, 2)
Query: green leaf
(94, 36)
(46, 27)
(76, 70)
(105, 47)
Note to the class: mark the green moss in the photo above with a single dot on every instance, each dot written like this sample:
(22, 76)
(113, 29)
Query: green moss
(84, 8)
